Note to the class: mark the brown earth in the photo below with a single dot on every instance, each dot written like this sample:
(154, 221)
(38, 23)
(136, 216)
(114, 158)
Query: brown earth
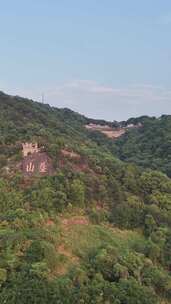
(106, 130)
(50, 222)
(70, 154)
(66, 252)
(37, 163)
(114, 134)
(75, 221)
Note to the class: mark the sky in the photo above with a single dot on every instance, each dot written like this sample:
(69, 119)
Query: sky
(107, 59)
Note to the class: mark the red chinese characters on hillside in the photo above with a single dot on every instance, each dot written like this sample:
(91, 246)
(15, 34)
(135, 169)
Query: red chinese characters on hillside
(35, 162)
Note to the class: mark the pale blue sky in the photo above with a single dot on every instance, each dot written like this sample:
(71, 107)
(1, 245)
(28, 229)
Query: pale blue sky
(106, 59)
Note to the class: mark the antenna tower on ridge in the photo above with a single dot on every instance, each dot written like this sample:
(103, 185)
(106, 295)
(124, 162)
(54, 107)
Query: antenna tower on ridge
(43, 98)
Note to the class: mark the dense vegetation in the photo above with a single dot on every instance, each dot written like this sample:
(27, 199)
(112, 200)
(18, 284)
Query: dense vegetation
(97, 231)
(149, 146)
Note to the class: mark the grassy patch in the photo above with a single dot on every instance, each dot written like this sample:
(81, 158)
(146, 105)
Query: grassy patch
(81, 239)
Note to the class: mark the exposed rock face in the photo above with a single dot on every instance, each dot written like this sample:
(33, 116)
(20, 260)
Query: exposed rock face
(96, 127)
(37, 164)
(107, 130)
(114, 134)
(110, 132)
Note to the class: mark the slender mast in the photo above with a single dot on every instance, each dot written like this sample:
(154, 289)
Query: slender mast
(43, 98)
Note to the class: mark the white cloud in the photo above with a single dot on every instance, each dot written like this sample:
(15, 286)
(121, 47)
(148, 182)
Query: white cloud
(96, 100)
(137, 92)
(95, 88)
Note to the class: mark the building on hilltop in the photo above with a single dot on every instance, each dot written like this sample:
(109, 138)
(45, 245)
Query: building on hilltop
(29, 148)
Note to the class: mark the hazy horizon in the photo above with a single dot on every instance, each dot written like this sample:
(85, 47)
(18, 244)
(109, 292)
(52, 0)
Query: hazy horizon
(106, 60)
(91, 117)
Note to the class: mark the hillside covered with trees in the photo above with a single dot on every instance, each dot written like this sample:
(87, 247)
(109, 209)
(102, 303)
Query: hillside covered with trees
(96, 230)
(149, 146)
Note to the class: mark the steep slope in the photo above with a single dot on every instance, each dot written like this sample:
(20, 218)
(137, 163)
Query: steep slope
(95, 230)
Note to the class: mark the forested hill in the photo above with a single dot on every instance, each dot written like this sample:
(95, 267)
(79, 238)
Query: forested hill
(23, 118)
(149, 146)
(78, 225)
